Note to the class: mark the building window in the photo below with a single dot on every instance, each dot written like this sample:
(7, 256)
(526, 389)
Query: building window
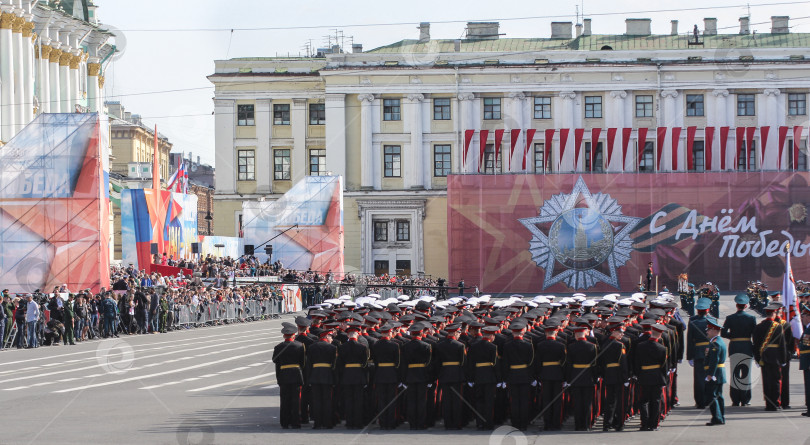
(246, 166)
(492, 108)
(441, 160)
(593, 107)
(403, 267)
(644, 106)
(598, 163)
(752, 157)
(441, 109)
(281, 114)
(694, 105)
(403, 230)
(391, 159)
(380, 267)
(647, 161)
(381, 231)
(540, 164)
(317, 162)
(797, 104)
(698, 160)
(745, 105)
(542, 107)
(244, 116)
(391, 110)
(281, 164)
(801, 162)
(490, 164)
(317, 114)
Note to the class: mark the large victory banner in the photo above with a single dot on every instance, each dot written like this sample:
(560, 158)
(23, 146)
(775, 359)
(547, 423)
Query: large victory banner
(547, 233)
(54, 205)
(305, 225)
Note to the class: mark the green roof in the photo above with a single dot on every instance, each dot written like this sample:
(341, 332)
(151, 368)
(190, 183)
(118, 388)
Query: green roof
(597, 42)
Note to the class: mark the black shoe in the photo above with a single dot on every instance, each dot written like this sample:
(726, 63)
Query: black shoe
(770, 408)
(807, 414)
(786, 407)
(735, 404)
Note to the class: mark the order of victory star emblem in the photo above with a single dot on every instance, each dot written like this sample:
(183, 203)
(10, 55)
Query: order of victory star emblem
(583, 237)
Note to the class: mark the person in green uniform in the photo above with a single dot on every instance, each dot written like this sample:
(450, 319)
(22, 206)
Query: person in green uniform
(696, 343)
(738, 329)
(164, 312)
(714, 367)
(68, 317)
(804, 356)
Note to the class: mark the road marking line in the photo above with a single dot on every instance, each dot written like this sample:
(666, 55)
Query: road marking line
(232, 382)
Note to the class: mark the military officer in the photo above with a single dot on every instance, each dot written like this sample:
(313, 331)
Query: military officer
(696, 342)
(770, 352)
(417, 356)
(550, 362)
(804, 356)
(289, 357)
(484, 370)
(714, 367)
(385, 355)
(321, 361)
(615, 373)
(581, 376)
(451, 356)
(352, 361)
(518, 361)
(651, 370)
(738, 329)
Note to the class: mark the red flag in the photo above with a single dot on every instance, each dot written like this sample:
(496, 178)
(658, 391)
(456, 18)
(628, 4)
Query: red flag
(723, 143)
(781, 147)
(549, 141)
(749, 143)
(498, 140)
(626, 132)
(594, 143)
(662, 134)
(740, 132)
(763, 137)
(611, 138)
(676, 139)
(482, 146)
(642, 144)
(579, 133)
(708, 143)
(468, 135)
(514, 135)
(690, 143)
(563, 141)
(797, 139)
(529, 137)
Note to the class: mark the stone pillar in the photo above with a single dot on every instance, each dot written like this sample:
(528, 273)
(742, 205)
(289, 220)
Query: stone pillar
(28, 38)
(366, 148)
(56, 86)
(224, 120)
(566, 121)
(73, 78)
(671, 120)
(300, 151)
(6, 77)
(264, 161)
(466, 104)
(93, 92)
(65, 91)
(44, 85)
(514, 120)
(770, 118)
(412, 174)
(335, 105)
(616, 120)
(18, 55)
(717, 116)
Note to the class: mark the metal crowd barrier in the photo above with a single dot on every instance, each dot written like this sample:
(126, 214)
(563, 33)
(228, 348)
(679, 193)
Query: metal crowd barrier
(225, 312)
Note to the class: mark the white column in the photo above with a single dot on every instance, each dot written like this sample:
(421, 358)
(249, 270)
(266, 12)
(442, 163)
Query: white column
(93, 71)
(28, 72)
(717, 117)
(615, 120)
(366, 148)
(770, 118)
(466, 103)
(566, 121)
(56, 87)
(73, 78)
(6, 77)
(335, 105)
(65, 93)
(224, 121)
(300, 157)
(670, 120)
(413, 166)
(427, 148)
(264, 161)
(514, 120)
(19, 105)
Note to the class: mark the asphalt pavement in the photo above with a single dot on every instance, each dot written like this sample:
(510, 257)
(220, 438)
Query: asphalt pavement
(217, 385)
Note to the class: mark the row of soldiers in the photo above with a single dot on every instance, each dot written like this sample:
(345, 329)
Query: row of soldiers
(477, 362)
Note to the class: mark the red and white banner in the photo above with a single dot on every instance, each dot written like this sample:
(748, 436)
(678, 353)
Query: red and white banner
(611, 140)
(723, 144)
(690, 143)
(482, 145)
(579, 133)
(498, 140)
(676, 139)
(642, 144)
(468, 136)
(563, 142)
(594, 143)
(514, 136)
(547, 147)
(797, 137)
(708, 145)
(529, 137)
(626, 132)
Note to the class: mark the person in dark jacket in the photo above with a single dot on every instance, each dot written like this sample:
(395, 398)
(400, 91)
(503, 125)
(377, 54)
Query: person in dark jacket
(615, 373)
(770, 351)
(738, 328)
(417, 357)
(550, 362)
(518, 362)
(715, 373)
(483, 370)
(386, 355)
(320, 370)
(451, 356)
(651, 371)
(581, 376)
(352, 362)
(289, 357)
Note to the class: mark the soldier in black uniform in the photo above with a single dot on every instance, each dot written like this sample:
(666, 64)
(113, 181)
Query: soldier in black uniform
(417, 373)
(518, 360)
(289, 357)
(306, 339)
(770, 352)
(615, 374)
(451, 356)
(549, 360)
(351, 364)
(581, 376)
(484, 371)
(738, 329)
(385, 355)
(321, 362)
(651, 371)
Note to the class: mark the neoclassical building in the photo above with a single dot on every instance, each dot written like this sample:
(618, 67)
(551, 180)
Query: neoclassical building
(396, 120)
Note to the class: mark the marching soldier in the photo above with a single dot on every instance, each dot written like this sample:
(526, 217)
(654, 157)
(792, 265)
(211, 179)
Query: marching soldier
(651, 370)
(714, 365)
(770, 352)
(581, 373)
(484, 370)
(550, 359)
(790, 345)
(416, 362)
(385, 354)
(321, 361)
(615, 373)
(804, 356)
(518, 358)
(451, 356)
(352, 361)
(289, 357)
(738, 329)
(696, 342)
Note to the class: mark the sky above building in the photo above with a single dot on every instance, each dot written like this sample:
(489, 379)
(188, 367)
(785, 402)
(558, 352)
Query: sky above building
(167, 48)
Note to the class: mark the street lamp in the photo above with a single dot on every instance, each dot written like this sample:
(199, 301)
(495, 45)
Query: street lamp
(208, 219)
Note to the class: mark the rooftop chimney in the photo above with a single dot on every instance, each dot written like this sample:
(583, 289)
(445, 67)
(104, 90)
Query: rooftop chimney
(674, 31)
(710, 26)
(744, 25)
(638, 27)
(779, 24)
(424, 32)
(561, 30)
(482, 30)
(357, 47)
(579, 29)
(586, 29)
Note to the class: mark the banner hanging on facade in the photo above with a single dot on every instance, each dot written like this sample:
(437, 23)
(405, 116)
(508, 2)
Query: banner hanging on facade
(547, 233)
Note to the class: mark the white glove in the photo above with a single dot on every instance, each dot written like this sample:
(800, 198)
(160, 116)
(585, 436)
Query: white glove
(566, 384)
(691, 363)
(708, 378)
(430, 385)
(402, 385)
(534, 383)
(626, 384)
(757, 363)
(470, 384)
